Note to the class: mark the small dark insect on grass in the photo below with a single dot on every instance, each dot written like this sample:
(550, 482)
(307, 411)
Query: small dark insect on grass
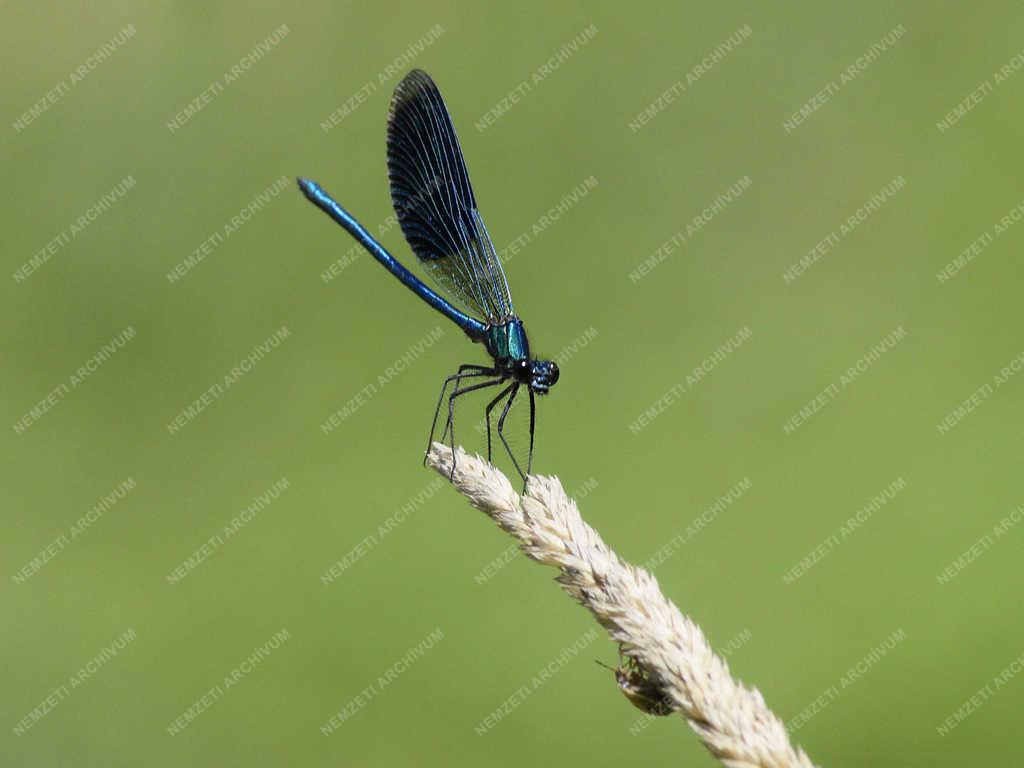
(643, 693)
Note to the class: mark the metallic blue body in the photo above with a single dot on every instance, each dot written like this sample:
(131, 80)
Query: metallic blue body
(507, 341)
(475, 329)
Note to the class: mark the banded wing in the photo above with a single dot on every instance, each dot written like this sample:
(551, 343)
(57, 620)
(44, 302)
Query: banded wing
(434, 200)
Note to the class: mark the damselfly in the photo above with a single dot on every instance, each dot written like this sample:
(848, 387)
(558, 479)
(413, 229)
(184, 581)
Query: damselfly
(437, 210)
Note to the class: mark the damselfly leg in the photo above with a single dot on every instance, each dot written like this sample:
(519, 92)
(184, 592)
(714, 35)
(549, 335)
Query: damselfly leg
(501, 433)
(487, 416)
(475, 371)
(533, 419)
(450, 426)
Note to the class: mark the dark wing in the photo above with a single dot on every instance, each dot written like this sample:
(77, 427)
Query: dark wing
(434, 200)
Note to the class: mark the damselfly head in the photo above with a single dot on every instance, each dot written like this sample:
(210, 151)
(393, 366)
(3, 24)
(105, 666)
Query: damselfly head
(543, 375)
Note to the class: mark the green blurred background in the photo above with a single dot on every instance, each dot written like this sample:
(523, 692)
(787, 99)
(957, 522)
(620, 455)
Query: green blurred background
(636, 340)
